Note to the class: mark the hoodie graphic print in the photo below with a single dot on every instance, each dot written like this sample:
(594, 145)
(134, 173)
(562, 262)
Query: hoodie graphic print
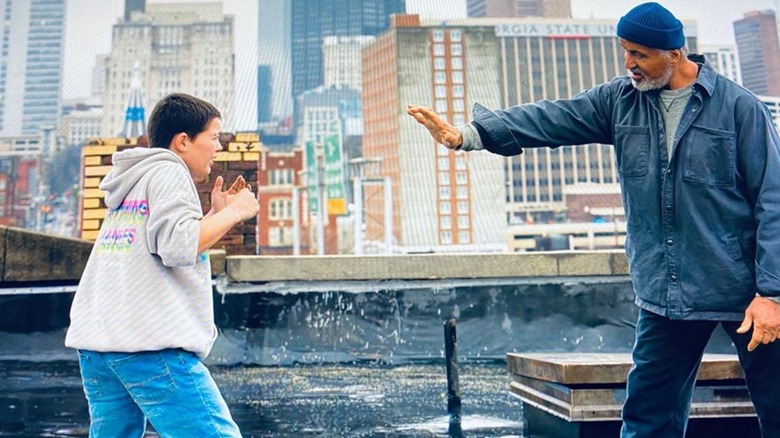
(145, 287)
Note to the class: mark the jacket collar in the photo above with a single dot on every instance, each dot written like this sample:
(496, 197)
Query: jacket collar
(707, 76)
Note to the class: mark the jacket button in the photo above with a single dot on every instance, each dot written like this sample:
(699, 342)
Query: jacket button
(669, 242)
(673, 277)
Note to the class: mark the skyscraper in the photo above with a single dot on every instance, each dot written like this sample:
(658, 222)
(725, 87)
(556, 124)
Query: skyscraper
(273, 51)
(312, 20)
(759, 52)
(519, 8)
(180, 47)
(31, 36)
(441, 200)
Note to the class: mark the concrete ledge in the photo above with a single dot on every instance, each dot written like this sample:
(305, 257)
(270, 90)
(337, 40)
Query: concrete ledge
(27, 256)
(425, 266)
(31, 256)
(217, 259)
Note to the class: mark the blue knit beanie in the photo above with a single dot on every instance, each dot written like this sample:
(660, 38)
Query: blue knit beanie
(652, 25)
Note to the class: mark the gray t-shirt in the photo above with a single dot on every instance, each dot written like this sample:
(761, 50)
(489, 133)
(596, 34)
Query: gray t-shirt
(672, 104)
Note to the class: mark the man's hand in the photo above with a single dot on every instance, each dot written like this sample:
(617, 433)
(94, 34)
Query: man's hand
(764, 316)
(440, 130)
(219, 199)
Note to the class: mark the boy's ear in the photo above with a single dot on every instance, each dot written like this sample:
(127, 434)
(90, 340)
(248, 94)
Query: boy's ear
(179, 142)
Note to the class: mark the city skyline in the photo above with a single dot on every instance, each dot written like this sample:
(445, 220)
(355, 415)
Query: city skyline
(89, 25)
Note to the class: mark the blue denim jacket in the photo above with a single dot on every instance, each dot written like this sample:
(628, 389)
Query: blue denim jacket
(704, 228)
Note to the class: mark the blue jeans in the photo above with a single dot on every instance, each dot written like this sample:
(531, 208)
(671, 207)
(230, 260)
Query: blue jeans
(666, 359)
(170, 388)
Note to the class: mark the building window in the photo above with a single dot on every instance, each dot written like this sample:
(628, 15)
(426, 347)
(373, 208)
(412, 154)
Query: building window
(444, 163)
(440, 91)
(457, 77)
(444, 193)
(457, 63)
(281, 177)
(446, 238)
(455, 35)
(463, 207)
(280, 208)
(461, 178)
(463, 192)
(463, 222)
(444, 178)
(456, 49)
(446, 222)
(464, 237)
(439, 77)
(439, 64)
(438, 35)
(279, 236)
(438, 49)
(457, 91)
(458, 119)
(441, 105)
(460, 162)
(458, 105)
(445, 207)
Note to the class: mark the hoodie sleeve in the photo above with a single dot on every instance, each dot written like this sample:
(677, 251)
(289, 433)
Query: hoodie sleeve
(173, 226)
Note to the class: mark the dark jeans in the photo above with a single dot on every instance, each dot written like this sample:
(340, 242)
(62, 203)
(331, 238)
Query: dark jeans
(666, 359)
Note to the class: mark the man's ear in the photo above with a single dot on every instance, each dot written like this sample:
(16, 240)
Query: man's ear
(179, 142)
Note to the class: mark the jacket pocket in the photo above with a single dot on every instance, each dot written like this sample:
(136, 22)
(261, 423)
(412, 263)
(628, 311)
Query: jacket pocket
(709, 157)
(632, 144)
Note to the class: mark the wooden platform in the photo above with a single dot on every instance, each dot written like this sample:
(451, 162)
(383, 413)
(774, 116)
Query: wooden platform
(580, 395)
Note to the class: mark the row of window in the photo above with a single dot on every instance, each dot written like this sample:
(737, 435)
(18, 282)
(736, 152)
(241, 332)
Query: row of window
(455, 35)
(445, 222)
(445, 207)
(456, 62)
(464, 237)
(461, 178)
(445, 193)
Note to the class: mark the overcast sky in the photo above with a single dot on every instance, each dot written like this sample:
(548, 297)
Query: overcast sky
(89, 23)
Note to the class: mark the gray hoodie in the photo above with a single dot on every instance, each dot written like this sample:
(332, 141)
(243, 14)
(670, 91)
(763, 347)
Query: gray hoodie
(145, 287)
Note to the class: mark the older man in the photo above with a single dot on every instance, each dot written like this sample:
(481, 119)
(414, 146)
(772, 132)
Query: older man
(699, 164)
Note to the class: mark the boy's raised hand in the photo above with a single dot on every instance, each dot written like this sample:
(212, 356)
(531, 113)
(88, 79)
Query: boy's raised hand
(219, 199)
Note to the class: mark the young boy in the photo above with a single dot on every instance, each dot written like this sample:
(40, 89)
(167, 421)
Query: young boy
(142, 317)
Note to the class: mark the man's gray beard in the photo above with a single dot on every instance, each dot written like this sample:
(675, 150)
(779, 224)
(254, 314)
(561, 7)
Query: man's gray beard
(654, 84)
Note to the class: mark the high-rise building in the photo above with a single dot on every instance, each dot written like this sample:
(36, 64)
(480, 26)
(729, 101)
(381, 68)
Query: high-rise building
(342, 61)
(180, 47)
(445, 198)
(441, 200)
(264, 93)
(273, 50)
(31, 39)
(759, 52)
(518, 8)
(724, 60)
(313, 20)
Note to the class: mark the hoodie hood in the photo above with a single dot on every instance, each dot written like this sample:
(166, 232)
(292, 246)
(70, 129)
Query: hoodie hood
(129, 166)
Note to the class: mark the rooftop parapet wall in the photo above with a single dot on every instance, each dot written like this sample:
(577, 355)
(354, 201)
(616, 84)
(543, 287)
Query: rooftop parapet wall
(426, 266)
(27, 256)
